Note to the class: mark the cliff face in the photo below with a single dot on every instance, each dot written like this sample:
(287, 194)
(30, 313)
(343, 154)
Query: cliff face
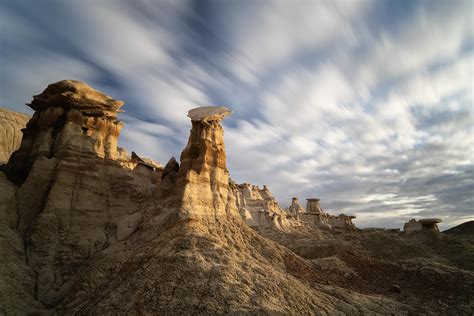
(72, 198)
(11, 124)
(69, 117)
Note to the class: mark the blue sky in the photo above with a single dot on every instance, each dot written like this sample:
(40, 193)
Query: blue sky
(365, 104)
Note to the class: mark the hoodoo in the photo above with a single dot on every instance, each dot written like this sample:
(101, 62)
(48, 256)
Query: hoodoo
(65, 112)
(203, 173)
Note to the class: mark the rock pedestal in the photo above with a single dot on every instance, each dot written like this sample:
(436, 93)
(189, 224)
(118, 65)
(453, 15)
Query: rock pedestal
(425, 224)
(11, 124)
(430, 224)
(313, 206)
(203, 174)
(69, 116)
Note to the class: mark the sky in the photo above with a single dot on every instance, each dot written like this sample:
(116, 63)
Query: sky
(367, 105)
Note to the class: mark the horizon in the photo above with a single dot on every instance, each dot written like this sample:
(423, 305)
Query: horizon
(367, 106)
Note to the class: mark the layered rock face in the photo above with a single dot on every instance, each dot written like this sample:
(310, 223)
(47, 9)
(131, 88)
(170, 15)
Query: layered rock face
(295, 206)
(424, 224)
(11, 124)
(259, 209)
(65, 112)
(72, 197)
(203, 173)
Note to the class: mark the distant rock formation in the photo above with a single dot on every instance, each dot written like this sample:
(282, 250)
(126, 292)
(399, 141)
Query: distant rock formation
(11, 124)
(295, 207)
(259, 209)
(425, 224)
(313, 206)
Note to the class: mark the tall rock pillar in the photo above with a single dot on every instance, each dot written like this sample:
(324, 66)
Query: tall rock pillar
(203, 174)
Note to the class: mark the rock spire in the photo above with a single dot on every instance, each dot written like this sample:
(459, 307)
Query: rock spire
(203, 173)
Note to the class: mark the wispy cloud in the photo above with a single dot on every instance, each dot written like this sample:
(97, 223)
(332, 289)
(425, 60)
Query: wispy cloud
(366, 104)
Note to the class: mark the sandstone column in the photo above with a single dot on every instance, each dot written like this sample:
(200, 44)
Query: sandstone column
(203, 174)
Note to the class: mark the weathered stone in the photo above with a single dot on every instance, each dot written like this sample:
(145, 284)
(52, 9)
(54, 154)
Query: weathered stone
(427, 224)
(127, 225)
(295, 206)
(69, 94)
(203, 174)
(209, 113)
(313, 206)
(11, 124)
(430, 224)
(411, 226)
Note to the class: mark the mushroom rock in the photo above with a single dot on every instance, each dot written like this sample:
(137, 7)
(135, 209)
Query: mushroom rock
(342, 221)
(203, 174)
(430, 224)
(295, 206)
(313, 206)
(70, 116)
(208, 114)
(69, 190)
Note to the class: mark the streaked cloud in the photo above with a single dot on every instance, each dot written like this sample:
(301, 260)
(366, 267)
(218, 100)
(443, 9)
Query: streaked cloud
(366, 104)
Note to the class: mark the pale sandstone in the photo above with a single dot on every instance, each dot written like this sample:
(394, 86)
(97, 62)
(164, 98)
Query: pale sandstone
(295, 206)
(11, 124)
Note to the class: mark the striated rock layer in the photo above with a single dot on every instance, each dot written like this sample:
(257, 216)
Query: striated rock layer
(68, 198)
(203, 174)
(11, 124)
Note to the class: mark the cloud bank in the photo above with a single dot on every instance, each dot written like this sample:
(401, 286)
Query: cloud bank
(365, 104)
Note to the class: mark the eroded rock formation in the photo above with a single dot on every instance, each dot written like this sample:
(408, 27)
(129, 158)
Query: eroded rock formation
(424, 224)
(71, 192)
(11, 124)
(295, 207)
(88, 229)
(203, 173)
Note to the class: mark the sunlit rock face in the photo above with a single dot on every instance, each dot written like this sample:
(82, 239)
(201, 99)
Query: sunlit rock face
(295, 206)
(11, 124)
(69, 116)
(313, 206)
(203, 174)
(70, 194)
(259, 208)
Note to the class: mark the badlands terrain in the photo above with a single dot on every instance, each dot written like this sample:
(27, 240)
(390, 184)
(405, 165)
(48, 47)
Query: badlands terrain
(88, 228)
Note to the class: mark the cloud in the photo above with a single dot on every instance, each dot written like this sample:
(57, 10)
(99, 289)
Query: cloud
(367, 104)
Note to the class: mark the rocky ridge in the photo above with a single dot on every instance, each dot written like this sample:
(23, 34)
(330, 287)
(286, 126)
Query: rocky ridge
(104, 232)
